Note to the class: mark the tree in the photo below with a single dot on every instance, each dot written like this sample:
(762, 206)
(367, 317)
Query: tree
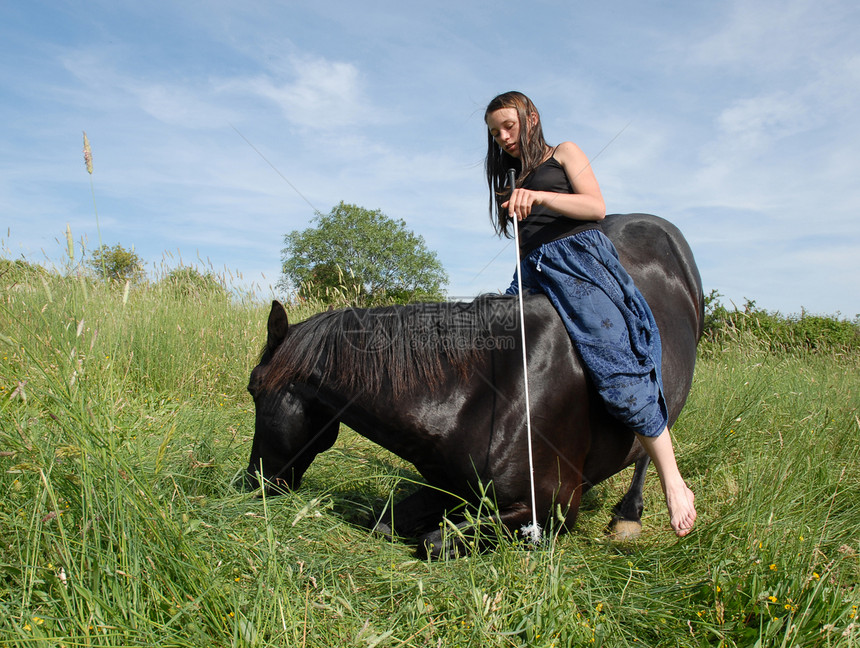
(117, 264)
(372, 256)
(330, 284)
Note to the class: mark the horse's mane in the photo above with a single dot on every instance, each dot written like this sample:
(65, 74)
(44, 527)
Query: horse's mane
(394, 347)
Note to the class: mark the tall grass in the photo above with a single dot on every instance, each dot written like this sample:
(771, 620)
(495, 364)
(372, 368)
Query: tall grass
(124, 424)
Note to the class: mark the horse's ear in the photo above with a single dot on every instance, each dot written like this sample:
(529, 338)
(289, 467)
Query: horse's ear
(277, 326)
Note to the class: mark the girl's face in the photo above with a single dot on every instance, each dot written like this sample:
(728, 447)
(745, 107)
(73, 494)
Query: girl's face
(504, 125)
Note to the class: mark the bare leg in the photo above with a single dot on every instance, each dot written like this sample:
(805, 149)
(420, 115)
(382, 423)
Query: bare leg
(679, 498)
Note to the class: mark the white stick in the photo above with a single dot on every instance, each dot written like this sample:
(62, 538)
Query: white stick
(532, 531)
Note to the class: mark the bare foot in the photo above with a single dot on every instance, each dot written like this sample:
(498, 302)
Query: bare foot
(679, 499)
(682, 511)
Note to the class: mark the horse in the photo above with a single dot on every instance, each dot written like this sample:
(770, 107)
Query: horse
(441, 385)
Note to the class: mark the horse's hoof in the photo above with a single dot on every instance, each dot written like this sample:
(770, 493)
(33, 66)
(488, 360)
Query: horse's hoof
(382, 529)
(621, 530)
(436, 546)
(431, 546)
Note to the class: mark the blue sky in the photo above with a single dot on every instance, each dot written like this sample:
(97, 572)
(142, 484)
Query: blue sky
(736, 120)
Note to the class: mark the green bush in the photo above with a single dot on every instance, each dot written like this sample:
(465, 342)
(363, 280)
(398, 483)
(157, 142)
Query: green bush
(189, 282)
(776, 332)
(18, 272)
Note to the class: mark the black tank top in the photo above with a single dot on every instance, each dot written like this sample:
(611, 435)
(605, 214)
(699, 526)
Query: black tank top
(543, 224)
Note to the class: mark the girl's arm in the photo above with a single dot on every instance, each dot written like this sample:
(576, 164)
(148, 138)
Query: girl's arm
(585, 204)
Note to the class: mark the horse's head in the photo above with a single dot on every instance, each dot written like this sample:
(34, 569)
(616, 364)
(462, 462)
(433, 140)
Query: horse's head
(291, 426)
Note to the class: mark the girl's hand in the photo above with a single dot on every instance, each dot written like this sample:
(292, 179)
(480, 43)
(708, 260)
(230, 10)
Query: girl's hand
(520, 204)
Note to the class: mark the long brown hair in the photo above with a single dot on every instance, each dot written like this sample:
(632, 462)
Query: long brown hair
(532, 147)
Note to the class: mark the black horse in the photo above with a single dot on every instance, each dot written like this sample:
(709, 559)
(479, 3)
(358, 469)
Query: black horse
(441, 386)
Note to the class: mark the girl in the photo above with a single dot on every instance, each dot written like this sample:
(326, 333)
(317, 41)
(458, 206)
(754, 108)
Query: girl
(558, 205)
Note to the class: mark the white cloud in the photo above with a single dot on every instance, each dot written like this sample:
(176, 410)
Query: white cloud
(106, 88)
(755, 122)
(770, 35)
(181, 106)
(319, 94)
(322, 95)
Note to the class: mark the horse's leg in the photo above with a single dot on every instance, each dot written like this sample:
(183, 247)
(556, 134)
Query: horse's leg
(454, 540)
(627, 515)
(416, 514)
(460, 539)
(558, 495)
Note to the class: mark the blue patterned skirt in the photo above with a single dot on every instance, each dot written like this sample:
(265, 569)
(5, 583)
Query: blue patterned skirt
(609, 322)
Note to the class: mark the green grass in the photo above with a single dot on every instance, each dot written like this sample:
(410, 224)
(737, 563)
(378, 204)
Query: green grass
(124, 424)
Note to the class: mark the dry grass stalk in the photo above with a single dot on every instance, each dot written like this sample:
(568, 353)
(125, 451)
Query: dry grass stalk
(88, 154)
(70, 244)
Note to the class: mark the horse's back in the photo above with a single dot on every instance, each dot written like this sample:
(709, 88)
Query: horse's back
(658, 257)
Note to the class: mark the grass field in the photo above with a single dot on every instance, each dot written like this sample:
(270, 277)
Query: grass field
(124, 425)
